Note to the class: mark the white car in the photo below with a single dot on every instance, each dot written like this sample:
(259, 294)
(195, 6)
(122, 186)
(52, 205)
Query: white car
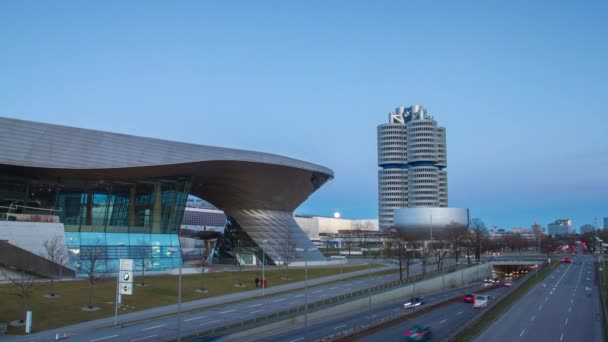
(480, 302)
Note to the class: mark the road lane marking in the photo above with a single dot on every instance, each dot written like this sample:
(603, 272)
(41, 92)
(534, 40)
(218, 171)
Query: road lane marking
(254, 305)
(522, 333)
(279, 300)
(211, 322)
(546, 299)
(443, 321)
(569, 309)
(104, 338)
(142, 338)
(540, 307)
(297, 339)
(333, 288)
(566, 323)
(193, 318)
(317, 291)
(561, 337)
(531, 319)
(340, 326)
(225, 312)
(459, 313)
(257, 311)
(298, 296)
(154, 327)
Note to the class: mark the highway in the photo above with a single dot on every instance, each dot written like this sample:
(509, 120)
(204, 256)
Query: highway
(166, 328)
(443, 320)
(559, 309)
(326, 327)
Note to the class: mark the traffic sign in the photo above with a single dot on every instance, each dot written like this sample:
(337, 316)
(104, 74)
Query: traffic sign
(125, 277)
(126, 289)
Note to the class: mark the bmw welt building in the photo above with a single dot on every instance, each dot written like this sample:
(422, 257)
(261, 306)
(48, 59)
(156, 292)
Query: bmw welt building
(121, 196)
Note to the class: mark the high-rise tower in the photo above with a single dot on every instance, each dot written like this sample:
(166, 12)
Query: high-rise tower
(412, 157)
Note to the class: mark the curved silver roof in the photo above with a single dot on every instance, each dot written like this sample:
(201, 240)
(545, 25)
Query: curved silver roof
(36, 144)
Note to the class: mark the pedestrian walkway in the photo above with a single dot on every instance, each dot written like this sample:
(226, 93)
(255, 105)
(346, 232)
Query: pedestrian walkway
(163, 311)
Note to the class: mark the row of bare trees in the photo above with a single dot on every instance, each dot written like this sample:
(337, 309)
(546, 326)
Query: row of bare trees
(405, 246)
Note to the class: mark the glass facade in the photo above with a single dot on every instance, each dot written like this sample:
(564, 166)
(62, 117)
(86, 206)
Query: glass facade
(117, 219)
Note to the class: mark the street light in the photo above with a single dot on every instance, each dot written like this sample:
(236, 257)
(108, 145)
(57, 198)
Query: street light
(306, 250)
(263, 266)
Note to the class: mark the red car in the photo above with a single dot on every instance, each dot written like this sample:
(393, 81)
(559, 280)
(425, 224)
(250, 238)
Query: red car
(567, 260)
(469, 298)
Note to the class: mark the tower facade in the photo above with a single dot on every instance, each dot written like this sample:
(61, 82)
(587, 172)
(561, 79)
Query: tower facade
(412, 157)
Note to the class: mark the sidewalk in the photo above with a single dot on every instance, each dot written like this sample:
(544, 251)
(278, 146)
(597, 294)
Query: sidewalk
(163, 311)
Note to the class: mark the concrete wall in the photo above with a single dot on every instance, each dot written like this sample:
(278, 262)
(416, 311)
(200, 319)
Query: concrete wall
(31, 235)
(451, 280)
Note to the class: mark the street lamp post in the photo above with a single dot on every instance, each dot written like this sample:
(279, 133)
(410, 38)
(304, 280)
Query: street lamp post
(179, 304)
(263, 266)
(305, 250)
(369, 288)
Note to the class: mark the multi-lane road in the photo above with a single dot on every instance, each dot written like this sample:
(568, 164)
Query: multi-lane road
(328, 326)
(564, 307)
(166, 328)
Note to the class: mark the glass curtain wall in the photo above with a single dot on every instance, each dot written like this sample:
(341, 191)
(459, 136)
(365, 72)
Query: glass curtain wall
(137, 219)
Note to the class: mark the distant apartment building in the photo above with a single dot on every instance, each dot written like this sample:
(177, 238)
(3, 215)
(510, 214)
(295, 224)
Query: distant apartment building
(605, 223)
(526, 233)
(412, 158)
(560, 227)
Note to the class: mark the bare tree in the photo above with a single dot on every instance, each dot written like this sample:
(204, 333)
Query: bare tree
(93, 264)
(56, 252)
(455, 235)
(399, 241)
(478, 234)
(23, 285)
(362, 233)
(348, 241)
(142, 254)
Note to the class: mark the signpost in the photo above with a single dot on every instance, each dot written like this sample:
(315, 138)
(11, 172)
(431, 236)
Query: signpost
(124, 284)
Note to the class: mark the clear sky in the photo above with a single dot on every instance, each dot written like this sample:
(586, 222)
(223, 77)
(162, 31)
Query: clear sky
(519, 85)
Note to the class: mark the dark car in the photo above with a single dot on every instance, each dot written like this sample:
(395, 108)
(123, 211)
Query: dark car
(414, 302)
(469, 298)
(418, 333)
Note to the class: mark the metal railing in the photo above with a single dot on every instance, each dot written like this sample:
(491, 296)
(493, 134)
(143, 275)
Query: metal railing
(47, 215)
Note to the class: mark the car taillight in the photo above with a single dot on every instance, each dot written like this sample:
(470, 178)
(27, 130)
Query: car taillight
(420, 334)
(408, 333)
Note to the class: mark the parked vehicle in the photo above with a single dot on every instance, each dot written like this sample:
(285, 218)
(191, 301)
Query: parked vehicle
(508, 284)
(418, 333)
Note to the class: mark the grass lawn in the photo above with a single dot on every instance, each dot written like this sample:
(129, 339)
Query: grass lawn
(160, 290)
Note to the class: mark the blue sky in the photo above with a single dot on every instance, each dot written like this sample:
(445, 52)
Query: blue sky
(519, 85)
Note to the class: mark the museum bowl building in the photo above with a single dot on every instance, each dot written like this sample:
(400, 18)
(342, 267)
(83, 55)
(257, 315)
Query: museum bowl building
(123, 196)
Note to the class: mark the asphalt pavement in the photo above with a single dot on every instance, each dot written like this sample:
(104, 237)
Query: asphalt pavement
(325, 327)
(165, 328)
(565, 307)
